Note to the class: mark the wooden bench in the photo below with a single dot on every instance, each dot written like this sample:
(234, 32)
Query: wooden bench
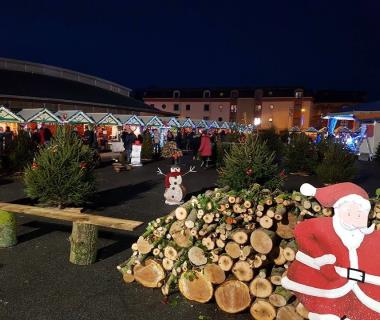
(84, 235)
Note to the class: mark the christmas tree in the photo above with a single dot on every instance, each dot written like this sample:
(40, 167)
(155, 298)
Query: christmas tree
(248, 163)
(21, 152)
(300, 154)
(147, 146)
(62, 173)
(338, 164)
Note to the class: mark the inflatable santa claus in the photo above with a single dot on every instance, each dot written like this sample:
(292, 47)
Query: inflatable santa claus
(336, 274)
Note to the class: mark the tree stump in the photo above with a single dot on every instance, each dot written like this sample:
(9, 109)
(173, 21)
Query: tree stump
(83, 243)
(7, 229)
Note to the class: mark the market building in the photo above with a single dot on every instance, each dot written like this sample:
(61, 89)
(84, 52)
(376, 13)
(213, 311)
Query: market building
(27, 85)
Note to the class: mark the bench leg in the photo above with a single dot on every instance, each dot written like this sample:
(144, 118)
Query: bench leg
(83, 241)
(7, 229)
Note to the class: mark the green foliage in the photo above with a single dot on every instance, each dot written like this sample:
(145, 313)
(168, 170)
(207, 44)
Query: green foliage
(62, 173)
(252, 155)
(377, 154)
(301, 154)
(21, 151)
(378, 193)
(338, 164)
(232, 137)
(221, 149)
(274, 142)
(147, 146)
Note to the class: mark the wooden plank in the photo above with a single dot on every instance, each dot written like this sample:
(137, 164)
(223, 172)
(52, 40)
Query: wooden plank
(71, 215)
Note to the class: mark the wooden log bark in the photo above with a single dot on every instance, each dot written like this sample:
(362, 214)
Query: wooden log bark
(7, 229)
(197, 256)
(302, 311)
(286, 230)
(276, 275)
(180, 234)
(260, 287)
(225, 262)
(280, 297)
(240, 236)
(262, 240)
(195, 286)
(242, 271)
(232, 249)
(262, 310)
(233, 296)
(214, 273)
(83, 241)
(288, 313)
(149, 275)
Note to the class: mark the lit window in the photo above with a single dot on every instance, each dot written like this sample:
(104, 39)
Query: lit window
(221, 94)
(270, 119)
(206, 107)
(163, 106)
(206, 94)
(176, 94)
(298, 94)
(271, 106)
(270, 93)
(220, 107)
(233, 108)
(258, 107)
(187, 107)
(176, 107)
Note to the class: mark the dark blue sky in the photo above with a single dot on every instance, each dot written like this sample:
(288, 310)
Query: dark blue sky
(316, 44)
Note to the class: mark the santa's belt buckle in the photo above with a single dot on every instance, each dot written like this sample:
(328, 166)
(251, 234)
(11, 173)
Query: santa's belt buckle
(355, 274)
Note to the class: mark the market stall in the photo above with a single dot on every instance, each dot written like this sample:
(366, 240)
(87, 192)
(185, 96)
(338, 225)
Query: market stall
(108, 127)
(76, 118)
(201, 125)
(9, 119)
(187, 124)
(368, 149)
(35, 118)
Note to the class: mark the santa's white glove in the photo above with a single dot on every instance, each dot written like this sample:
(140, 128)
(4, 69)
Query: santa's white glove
(325, 259)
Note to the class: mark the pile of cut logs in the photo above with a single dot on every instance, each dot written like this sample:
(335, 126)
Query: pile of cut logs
(234, 246)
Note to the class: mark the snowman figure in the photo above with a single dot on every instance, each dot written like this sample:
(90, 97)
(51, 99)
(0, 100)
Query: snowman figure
(174, 189)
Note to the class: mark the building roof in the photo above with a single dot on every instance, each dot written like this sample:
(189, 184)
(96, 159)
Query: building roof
(221, 93)
(363, 107)
(43, 87)
(38, 115)
(339, 96)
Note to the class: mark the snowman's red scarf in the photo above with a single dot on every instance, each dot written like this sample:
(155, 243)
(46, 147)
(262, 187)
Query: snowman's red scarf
(169, 175)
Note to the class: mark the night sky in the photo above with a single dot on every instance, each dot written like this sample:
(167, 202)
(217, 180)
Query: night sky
(317, 44)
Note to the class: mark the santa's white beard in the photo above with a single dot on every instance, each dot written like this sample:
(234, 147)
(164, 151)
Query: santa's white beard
(351, 236)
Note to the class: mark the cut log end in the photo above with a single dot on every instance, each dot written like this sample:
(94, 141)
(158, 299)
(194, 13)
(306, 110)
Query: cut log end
(233, 296)
(195, 286)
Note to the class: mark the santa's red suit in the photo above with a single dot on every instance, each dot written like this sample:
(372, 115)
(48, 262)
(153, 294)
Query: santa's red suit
(337, 271)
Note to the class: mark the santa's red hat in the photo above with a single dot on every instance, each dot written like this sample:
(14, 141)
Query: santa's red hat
(337, 194)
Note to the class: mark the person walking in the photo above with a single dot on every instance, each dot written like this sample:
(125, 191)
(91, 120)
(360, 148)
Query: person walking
(205, 149)
(128, 139)
(8, 138)
(156, 142)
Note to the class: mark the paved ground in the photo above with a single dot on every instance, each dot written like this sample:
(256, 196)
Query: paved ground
(37, 282)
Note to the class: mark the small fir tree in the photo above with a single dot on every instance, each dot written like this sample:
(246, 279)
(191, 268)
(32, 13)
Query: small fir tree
(21, 152)
(248, 163)
(273, 141)
(147, 146)
(338, 164)
(62, 173)
(300, 154)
